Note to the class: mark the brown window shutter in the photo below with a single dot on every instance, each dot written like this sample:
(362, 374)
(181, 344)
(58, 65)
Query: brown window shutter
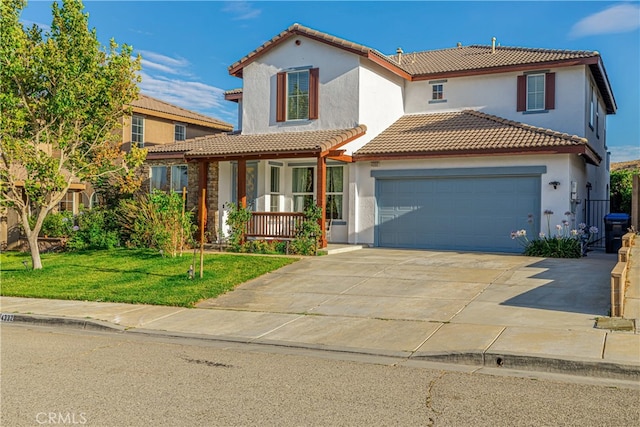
(550, 91)
(314, 88)
(522, 93)
(281, 97)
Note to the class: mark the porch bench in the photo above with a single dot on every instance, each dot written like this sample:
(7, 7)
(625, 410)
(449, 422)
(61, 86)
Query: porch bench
(281, 226)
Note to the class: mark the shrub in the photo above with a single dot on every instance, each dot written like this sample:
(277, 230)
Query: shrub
(96, 229)
(237, 219)
(58, 224)
(566, 243)
(309, 232)
(621, 189)
(157, 221)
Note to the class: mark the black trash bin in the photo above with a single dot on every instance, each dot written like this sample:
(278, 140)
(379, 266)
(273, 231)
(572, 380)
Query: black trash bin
(615, 226)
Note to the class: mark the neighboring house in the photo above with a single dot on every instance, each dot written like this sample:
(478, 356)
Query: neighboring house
(447, 149)
(153, 123)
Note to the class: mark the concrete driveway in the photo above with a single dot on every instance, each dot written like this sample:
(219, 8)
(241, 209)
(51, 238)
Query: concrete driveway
(428, 286)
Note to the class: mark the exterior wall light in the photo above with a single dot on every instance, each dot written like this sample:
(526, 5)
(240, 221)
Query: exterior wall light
(555, 184)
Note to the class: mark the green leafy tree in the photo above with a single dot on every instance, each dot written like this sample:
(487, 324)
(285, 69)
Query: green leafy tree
(62, 99)
(621, 189)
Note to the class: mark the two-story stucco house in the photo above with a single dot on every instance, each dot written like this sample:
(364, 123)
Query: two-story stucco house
(447, 149)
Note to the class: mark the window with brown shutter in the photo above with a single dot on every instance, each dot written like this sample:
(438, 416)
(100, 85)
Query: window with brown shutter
(281, 97)
(550, 91)
(297, 94)
(536, 92)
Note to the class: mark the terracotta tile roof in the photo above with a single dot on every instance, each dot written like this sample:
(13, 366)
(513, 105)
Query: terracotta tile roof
(477, 57)
(145, 103)
(270, 144)
(457, 61)
(467, 132)
(629, 165)
(297, 29)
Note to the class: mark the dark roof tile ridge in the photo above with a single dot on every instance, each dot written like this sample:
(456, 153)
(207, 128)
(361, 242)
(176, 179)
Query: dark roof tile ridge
(536, 49)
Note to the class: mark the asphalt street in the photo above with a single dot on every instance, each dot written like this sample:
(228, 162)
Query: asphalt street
(55, 376)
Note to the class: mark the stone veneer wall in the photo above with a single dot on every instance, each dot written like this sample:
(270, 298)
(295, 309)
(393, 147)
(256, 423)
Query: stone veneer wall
(193, 193)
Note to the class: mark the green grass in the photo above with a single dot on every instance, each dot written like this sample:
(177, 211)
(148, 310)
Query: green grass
(130, 276)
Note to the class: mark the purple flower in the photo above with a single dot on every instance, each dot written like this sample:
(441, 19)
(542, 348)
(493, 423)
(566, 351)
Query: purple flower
(593, 230)
(76, 228)
(567, 213)
(548, 212)
(565, 222)
(582, 226)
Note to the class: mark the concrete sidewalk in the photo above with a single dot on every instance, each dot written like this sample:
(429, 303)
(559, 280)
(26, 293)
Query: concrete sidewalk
(476, 309)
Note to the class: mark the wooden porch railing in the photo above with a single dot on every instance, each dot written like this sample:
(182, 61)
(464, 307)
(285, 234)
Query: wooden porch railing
(275, 225)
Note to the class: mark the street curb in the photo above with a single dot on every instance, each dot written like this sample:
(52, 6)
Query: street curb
(519, 362)
(70, 322)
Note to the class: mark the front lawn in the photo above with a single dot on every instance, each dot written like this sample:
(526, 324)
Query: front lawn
(129, 276)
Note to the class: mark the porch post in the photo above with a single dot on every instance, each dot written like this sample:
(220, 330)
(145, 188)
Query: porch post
(242, 183)
(322, 198)
(203, 178)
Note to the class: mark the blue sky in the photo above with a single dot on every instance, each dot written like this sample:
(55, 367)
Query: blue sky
(187, 46)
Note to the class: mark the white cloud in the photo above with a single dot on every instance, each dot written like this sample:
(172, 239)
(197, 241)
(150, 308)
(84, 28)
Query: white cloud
(191, 95)
(163, 59)
(621, 18)
(242, 9)
(624, 153)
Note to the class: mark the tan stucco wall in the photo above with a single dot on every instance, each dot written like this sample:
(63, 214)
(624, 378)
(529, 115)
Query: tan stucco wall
(162, 131)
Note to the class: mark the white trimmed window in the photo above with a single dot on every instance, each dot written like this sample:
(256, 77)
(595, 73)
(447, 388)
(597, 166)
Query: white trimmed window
(298, 95)
(302, 187)
(180, 133)
(274, 194)
(335, 188)
(535, 92)
(437, 92)
(158, 178)
(68, 202)
(137, 131)
(179, 178)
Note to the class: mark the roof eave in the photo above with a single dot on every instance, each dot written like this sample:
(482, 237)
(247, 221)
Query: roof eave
(582, 150)
(181, 119)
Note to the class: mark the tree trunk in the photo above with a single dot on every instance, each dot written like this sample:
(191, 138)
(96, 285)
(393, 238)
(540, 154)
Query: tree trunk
(36, 262)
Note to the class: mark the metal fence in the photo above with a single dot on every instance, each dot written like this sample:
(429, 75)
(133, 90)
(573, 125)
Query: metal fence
(595, 211)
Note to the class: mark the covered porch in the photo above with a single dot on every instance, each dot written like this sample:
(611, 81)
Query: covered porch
(275, 214)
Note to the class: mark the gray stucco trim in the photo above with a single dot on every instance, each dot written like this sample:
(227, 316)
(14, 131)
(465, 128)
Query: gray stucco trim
(462, 172)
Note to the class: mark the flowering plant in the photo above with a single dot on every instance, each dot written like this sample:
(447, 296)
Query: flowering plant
(564, 243)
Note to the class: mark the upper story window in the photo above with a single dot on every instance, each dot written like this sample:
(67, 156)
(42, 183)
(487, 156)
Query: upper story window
(137, 131)
(297, 95)
(536, 92)
(180, 133)
(437, 91)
